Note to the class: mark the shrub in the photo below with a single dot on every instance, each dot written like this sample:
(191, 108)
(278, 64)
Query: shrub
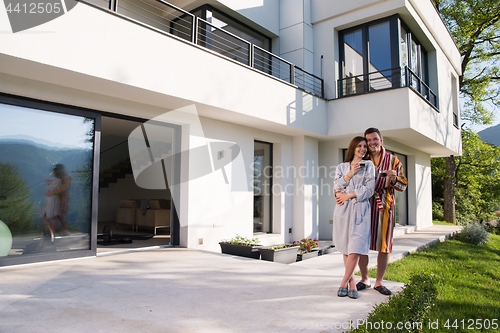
(496, 229)
(493, 227)
(475, 233)
(412, 307)
(437, 211)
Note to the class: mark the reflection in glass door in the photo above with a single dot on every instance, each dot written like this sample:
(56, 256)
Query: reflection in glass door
(46, 172)
(379, 37)
(262, 185)
(353, 63)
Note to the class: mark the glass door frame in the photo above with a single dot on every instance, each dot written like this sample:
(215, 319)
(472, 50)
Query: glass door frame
(75, 111)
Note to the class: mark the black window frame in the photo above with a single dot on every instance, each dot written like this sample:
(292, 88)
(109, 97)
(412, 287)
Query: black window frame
(271, 210)
(424, 63)
(31, 103)
(396, 69)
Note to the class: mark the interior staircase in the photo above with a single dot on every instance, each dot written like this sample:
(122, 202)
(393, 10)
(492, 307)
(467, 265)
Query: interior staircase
(116, 172)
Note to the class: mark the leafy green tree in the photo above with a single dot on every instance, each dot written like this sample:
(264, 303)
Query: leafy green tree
(16, 208)
(475, 27)
(476, 177)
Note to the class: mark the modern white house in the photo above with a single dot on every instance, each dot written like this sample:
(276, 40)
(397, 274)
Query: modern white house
(242, 110)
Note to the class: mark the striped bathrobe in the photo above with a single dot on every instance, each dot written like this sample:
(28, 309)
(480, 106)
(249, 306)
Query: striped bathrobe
(383, 202)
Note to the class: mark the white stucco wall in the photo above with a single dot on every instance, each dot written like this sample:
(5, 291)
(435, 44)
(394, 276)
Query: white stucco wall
(305, 191)
(311, 189)
(217, 211)
(296, 33)
(330, 153)
(111, 56)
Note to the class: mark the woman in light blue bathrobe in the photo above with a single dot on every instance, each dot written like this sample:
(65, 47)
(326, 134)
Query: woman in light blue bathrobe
(354, 184)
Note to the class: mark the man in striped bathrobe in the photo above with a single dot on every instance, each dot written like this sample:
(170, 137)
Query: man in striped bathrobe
(389, 176)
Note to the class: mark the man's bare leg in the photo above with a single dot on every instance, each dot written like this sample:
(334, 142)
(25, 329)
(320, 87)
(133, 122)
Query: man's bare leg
(382, 262)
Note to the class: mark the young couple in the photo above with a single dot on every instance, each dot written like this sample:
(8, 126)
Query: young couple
(364, 216)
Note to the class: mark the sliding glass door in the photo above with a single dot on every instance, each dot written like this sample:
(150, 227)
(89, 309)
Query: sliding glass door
(46, 173)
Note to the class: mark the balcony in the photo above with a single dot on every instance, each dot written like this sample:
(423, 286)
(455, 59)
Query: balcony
(387, 79)
(163, 16)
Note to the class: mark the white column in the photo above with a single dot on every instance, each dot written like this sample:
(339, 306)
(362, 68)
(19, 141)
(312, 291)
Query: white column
(305, 197)
(296, 33)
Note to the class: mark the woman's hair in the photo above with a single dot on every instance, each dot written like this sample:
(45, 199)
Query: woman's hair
(352, 147)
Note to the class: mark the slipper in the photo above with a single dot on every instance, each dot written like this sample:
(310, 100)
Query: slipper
(362, 286)
(342, 292)
(353, 293)
(383, 290)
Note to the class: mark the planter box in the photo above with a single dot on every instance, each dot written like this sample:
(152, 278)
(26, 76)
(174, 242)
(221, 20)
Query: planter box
(285, 256)
(307, 255)
(326, 250)
(241, 250)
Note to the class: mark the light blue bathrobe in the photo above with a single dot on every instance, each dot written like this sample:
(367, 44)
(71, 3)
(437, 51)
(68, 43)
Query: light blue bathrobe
(352, 220)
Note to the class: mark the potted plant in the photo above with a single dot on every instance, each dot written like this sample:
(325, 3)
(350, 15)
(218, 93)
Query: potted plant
(241, 246)
(283, 253)
(307, 248)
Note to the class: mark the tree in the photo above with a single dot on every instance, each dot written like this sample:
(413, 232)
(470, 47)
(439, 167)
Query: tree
(476, 178)
(475, 27)
(16, 208)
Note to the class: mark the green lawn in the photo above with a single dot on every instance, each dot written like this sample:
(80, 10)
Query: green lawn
(469, 288)
(438, 222)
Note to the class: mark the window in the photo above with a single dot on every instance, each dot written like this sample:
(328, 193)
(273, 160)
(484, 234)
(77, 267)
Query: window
(380, 55)
(368, 61)
(262, 185)
(46, 173)
(379, 43)
(414, 57)
(353, 62)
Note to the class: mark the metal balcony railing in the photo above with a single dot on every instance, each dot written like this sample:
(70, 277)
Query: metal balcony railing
(176, 21)
(387, 79)
(223, 42)
(271, 64)
(308, 82)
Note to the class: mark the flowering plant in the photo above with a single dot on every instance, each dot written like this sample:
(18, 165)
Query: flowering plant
(239, 240)
(306, 244)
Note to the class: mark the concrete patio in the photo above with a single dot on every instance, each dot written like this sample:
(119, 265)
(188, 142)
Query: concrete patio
(182, 290)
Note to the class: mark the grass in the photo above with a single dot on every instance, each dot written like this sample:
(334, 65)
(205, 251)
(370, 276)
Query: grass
(469, 282)
(438, 222)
